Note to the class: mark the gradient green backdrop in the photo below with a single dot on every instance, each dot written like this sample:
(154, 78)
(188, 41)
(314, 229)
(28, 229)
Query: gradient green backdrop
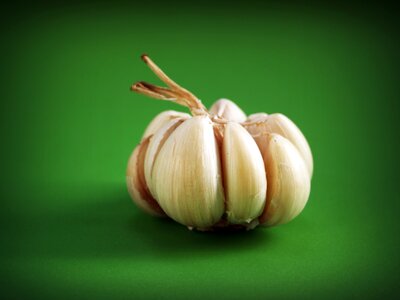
(69, 124)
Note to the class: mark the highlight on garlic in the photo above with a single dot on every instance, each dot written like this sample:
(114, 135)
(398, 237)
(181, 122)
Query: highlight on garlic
(218, 168)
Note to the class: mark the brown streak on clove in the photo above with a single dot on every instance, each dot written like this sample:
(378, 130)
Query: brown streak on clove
(142, 185)
(163, 140)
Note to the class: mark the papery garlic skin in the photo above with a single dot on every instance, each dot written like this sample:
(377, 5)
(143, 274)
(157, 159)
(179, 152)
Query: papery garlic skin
(136, 184)
(161, 119)
(257, 117)
(288, 181)
(282, 125)
(244, 175)
(186, 176)
(228, 110)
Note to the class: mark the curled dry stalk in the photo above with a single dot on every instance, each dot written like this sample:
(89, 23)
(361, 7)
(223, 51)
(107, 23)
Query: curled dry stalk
(173, 92)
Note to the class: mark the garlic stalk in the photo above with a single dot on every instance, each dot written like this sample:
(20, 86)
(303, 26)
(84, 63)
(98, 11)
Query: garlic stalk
(218, 167)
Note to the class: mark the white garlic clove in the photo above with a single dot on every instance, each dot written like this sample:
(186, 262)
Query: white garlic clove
(156, 142)
(256, 126)
(282, 125)
(244, 175)
(228, 110)
(186, 176)
(257, 117)
(161, 119)
(136, 183)
(288, 182)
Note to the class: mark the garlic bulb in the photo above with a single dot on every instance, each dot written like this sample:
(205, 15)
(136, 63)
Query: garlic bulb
(218, 168)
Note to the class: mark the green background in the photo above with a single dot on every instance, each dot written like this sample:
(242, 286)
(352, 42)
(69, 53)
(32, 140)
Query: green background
(69, 124)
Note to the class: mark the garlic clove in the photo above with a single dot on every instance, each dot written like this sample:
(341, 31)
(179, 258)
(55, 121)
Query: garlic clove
(156, 142)
(136, 183)
(256, 126)
(186, 178)
(288, 182)
(282, 125)
(257, 117)
(244, 175)
(161, 119)
(228, 110)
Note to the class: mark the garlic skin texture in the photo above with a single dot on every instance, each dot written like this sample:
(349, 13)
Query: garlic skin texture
(136, 184)
(218, 168)
(186, 175)
(288, 181)
(161, 119)
(227, 109)
(282, 125)
(245, 180)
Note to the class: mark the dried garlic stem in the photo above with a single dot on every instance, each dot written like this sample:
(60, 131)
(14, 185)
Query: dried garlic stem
(174, 93)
